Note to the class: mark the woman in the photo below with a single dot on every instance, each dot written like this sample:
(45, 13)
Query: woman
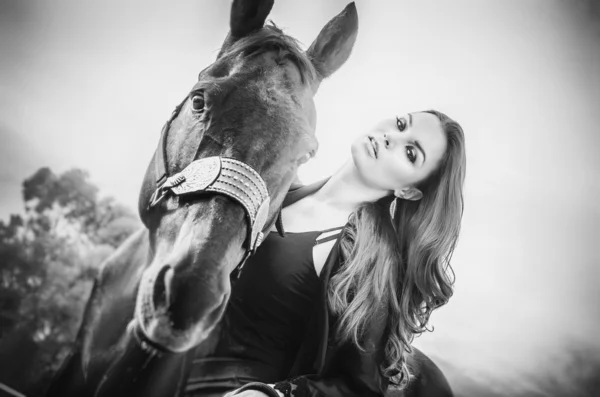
(331, 309)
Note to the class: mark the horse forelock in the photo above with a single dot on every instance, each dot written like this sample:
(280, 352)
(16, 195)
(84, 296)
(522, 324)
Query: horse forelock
(276, 75)
(272, 39)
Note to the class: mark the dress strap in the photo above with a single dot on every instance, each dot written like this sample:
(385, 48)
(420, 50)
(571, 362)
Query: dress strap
(331, 237)
(332, 229)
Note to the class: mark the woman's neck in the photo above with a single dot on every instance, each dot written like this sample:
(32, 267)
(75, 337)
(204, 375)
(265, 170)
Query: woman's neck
(346, 190)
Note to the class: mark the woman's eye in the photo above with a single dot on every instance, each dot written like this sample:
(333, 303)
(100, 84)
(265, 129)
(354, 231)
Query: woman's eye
(198, 103)
(411, 154)
(401, 123)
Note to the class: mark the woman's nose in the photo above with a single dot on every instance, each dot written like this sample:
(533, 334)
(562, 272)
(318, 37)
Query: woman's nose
(390, 140)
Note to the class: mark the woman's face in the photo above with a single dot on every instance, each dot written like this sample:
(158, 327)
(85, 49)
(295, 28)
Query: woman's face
(400, 152)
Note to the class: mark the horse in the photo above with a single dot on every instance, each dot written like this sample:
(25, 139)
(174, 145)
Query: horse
(225, 159)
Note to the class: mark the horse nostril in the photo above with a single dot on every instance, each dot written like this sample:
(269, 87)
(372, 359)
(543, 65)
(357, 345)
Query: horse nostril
(162, 287)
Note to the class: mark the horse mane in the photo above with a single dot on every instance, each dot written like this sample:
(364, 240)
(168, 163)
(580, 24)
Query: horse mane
(272, 38)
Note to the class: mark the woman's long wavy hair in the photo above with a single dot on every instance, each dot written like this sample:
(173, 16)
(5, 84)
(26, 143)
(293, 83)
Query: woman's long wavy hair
(402, 266)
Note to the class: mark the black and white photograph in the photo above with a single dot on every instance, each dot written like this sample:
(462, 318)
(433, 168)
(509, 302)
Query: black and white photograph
(299, 198)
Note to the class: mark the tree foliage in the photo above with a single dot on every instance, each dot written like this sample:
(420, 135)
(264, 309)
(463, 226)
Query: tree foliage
(48, 259)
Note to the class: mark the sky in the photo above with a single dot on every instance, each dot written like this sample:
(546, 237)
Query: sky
(89, 85)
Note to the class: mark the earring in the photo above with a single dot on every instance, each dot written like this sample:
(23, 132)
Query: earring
(393, 208)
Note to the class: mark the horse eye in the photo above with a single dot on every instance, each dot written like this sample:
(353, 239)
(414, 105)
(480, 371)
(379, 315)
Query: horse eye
(304, 159)
(198, 102)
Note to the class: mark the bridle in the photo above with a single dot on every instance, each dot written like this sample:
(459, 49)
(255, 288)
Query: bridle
(223, 175)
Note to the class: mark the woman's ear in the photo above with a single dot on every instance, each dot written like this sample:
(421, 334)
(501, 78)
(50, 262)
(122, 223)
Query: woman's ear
(409, 193)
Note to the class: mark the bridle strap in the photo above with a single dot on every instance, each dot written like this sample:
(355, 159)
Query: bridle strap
(160, 169)
(228, 176)
(160, 158)
(237, 272)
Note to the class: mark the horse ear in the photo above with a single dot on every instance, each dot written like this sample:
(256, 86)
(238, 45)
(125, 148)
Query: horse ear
(245, 17)
(334, 43)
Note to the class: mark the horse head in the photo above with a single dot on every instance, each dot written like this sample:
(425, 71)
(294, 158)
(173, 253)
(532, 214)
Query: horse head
(225, 161)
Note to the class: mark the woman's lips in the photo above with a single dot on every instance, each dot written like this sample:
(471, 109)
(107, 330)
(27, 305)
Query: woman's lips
(373, 147)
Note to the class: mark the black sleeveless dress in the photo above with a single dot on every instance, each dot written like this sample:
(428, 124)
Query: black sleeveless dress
(265, 321)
